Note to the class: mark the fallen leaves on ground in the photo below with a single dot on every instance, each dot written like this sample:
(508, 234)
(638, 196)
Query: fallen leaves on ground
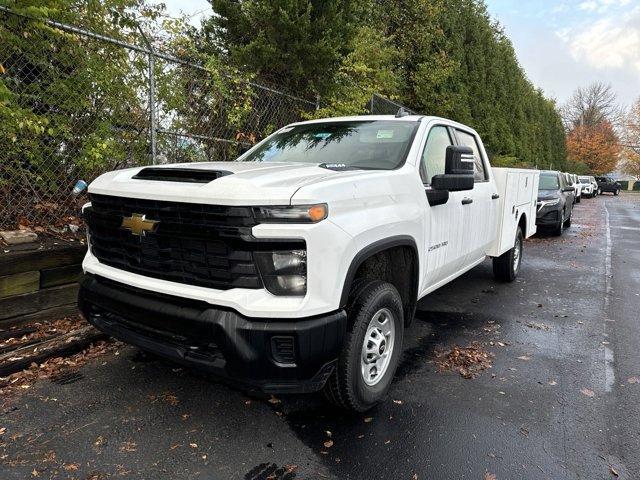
(41, 331)
(614, 471)
(633, 380)
(54, 366)
(468, 361)
(489, 476)
(588, 393)
(538, 326)
(128, 447)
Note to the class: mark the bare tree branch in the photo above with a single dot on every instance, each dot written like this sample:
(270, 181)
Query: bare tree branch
(592, 105)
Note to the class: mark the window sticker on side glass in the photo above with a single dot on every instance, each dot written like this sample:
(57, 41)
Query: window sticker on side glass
(322, 135)
(384, 134)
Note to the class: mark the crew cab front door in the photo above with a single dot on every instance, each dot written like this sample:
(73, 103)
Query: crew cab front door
(444, 224)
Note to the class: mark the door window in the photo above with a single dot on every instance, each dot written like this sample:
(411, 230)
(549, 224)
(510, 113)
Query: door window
(434, 154)
(469, 140)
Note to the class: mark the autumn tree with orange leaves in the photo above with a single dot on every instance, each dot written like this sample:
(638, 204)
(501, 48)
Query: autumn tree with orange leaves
(596, 146)
(593, 146)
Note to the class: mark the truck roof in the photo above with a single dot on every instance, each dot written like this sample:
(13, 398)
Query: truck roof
(406, 118)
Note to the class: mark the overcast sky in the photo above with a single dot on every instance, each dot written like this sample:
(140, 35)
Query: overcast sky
(561, 44)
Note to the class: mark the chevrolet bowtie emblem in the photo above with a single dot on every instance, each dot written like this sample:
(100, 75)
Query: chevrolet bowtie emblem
(138, 224)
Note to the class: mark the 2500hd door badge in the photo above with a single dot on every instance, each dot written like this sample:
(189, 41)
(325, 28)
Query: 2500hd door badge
(438, 245)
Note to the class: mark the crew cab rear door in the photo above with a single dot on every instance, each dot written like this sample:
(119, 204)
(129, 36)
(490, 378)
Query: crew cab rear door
(481, 214)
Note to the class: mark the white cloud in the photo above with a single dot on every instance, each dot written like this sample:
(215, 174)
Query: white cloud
(612, 41)
(601, 6)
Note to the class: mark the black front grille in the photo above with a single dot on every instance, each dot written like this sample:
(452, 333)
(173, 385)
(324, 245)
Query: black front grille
(204, 245)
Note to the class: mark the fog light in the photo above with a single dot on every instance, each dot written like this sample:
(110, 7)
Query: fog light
(283, 349)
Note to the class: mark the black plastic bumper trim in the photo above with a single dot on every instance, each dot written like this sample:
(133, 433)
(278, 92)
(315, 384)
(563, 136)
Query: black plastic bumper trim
(218, 340)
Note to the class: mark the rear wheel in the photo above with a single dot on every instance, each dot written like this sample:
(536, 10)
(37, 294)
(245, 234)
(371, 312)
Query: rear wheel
(567, 222)
(578, 199)
(507, 265)
(371, 351)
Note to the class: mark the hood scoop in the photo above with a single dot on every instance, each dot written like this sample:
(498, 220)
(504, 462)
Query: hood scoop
(184, 175)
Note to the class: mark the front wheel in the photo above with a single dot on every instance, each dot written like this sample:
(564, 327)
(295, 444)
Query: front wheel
(372, 348)
(559, 230)
(616, 192)
(507, 265)
(578, 199)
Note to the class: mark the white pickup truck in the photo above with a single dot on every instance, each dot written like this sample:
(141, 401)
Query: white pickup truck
(297, 267)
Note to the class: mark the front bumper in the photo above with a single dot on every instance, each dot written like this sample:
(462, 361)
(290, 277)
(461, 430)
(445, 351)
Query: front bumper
(275, 356)
(547, 217)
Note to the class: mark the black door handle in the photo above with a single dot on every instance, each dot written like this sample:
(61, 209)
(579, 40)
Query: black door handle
(495, 196)
(467, 200)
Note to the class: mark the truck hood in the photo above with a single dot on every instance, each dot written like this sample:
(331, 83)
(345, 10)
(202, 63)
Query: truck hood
(244, 183)
(548, 195)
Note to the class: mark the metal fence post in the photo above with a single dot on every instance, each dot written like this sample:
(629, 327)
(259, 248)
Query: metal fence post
(152, 107)
(152, 96)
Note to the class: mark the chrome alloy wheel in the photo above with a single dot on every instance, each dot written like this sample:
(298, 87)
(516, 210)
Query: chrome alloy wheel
(377, 347)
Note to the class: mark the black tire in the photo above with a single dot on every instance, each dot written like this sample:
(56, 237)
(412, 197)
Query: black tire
(560, 227)
(505, 267)
(567, 222)
(579, 199)
(617, 192)
(346, 386)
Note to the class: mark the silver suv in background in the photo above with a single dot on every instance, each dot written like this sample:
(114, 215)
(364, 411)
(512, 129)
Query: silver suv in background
(587, 187)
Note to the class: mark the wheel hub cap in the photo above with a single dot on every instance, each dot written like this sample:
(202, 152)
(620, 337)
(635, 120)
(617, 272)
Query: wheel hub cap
(516, 256)
(377, 347)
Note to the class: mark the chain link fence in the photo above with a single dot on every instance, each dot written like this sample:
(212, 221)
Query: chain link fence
(76, 103)
(379, 105)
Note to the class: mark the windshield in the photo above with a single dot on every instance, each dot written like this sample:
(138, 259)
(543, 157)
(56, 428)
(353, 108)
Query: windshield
(585, 180)
(376, 144)
(549, 182)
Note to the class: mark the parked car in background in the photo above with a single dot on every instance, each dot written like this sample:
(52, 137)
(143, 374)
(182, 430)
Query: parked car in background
(577, 188)
(555, 202)
(587, 188)
(595, 186)
(608, 184)
(568, 178)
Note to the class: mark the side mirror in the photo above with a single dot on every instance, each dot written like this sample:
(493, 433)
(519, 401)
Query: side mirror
(458, 170)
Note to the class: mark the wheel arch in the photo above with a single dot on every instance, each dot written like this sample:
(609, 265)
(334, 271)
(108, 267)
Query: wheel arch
(387, 259)
(522, 223)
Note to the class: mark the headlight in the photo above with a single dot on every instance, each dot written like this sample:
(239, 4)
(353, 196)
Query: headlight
(548, 203)
(293, 213)
(84, 212)
(283, 272)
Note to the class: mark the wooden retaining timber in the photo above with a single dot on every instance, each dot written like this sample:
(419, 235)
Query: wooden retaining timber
(57, 346)
(39, 285)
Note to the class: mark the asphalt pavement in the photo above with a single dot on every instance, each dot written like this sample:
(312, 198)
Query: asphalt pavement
(561, 401)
